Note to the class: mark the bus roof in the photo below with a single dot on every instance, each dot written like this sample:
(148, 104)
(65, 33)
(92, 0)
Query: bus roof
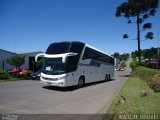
(97, 50)
(85, 45)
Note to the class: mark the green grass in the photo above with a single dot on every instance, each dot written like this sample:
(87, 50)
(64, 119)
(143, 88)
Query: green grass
(134, 103)
(12, 78)
(9, 79)
(144, 73)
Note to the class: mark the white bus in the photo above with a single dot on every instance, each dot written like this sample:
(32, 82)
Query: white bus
(75, 63)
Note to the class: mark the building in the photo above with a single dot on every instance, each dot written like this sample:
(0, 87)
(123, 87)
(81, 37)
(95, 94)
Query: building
(116, 61)
(152, 63)
(29, 59)
(3, 56)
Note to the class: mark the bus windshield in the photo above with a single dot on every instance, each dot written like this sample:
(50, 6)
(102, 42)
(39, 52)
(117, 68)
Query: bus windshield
(53, 66)
(58, 48)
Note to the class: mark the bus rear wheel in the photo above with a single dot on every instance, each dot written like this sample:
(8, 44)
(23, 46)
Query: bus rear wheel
(81, 82)
(107, 77)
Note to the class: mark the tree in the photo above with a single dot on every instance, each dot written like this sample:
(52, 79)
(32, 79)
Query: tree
(39, 64)
(134, 54)
(133, 64)
(146, 53)
(16, 60)
(140, 10)
(116, 55)
(123, 56)
(150, 53)
(123, 64)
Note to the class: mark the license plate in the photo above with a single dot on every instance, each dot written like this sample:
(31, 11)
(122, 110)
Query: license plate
(48, 83)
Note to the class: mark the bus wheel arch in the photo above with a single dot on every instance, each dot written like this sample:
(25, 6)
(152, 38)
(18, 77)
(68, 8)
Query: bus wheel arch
(81, 81)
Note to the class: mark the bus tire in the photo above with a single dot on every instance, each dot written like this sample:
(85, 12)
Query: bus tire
(109, 77)
(81, 81)
(106, 77)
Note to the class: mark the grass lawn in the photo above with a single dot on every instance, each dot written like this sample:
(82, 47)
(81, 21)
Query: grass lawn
(129, 101)
(9, 79)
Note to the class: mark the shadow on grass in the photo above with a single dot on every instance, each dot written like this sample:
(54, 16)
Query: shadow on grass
(72, 88)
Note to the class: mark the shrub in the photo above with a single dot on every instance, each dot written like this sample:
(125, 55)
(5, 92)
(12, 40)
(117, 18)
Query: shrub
(123, 64)
(3, 74)
(27, 75)
(21, 76)
(29, 72)
(155, 83)
(144, 73)
(151, 76)
(141, 63)
(133, 65)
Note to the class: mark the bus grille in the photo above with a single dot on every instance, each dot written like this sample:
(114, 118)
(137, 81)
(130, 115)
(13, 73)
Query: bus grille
(52, 79)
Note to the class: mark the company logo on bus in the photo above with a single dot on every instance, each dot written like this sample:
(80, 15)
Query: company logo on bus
(95, 63)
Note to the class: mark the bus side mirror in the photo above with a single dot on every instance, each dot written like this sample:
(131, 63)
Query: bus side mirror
(38, 55)
(72, 54)
(68, 55)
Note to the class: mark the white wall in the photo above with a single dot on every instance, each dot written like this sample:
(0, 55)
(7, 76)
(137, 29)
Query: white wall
(3, 56)
(116, 61)
(27, 55)
(6, 54)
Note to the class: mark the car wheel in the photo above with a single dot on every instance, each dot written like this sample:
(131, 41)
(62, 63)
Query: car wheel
(32, 78)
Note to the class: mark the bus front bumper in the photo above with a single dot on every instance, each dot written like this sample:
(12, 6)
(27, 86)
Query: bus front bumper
(59, 83)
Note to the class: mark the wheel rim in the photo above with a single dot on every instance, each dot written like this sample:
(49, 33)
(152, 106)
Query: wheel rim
(81, 82)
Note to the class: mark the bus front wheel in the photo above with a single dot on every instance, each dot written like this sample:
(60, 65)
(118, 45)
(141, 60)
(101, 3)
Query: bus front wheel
(81, 81)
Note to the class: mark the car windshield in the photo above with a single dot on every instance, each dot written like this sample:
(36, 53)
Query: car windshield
(53, 66)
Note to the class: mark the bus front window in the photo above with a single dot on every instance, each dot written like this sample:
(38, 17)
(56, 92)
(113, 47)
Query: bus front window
(53, 66)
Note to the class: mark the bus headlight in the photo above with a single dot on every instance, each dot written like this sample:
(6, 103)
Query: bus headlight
(60, 78)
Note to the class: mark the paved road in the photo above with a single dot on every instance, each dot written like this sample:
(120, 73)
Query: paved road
(28, 96)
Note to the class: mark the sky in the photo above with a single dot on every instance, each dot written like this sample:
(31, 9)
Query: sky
(32, 25)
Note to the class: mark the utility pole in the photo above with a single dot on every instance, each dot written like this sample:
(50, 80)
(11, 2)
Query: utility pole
(158, 57)
(138, 39)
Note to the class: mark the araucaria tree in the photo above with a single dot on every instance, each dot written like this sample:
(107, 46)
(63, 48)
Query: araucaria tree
(138, 11)
(16, 60)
